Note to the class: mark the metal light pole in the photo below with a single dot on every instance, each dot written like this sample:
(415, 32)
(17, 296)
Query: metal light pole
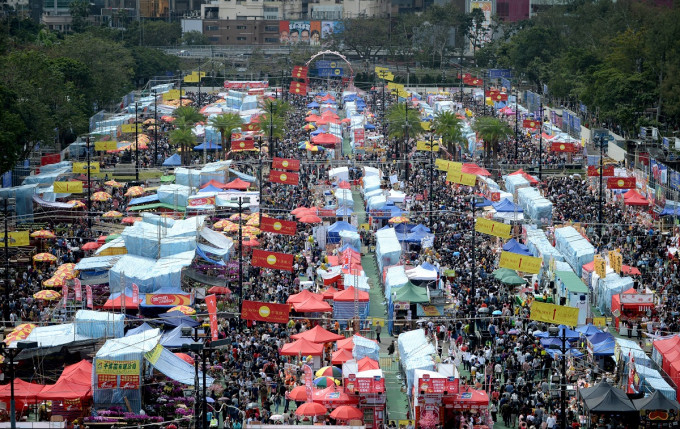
(430, 196)
(473, 201)
(259, 178)
(155, 127)
(553, 331)
(136, 144)
(271, 129)
(484, 94)
(516, 126)
(540, 143)
(199, 87)
(11, 353)
(205, 424)
(599, 216)
(406, 144)
(240, 252)
(8, 202)
(89, 189)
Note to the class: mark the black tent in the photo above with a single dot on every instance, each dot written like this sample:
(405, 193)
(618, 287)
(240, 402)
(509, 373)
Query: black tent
(600, 389)
(656, 401)
(610, 402)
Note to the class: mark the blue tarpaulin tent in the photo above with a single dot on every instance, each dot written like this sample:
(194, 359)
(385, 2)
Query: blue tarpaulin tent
(210, 188)
(515, 246)
(173, 161)
(208, 146)
(505, 205)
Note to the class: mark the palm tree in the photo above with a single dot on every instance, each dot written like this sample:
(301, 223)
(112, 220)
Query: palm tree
(447, 125)
(273, 121)
(183, 137)
(189, 114)
(492, 131)
(403, 123)
(225, 123)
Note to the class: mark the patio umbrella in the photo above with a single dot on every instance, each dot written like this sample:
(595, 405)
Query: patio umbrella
(503, 272)
(43, 234)
(112, 214)
(222, 223)
(347, 412)
(77, 204)
(251, 242)
(47, 295)
(92, 245)
(55, 281)
(230, 227)
(513, 279)
(134, 191)
(310, 218)
(19, 333)
(330, 371)
(44, 257)
(309, 127)
(251, 230)
(219, 290)
(101, 196)
(111, 237)
(237, 216)
(184, 309)
(130, 219)
(185, 357)
(298, 394)
(113, 184)
(310, 409)
(253, 222)
(325, 381)
(399, 219)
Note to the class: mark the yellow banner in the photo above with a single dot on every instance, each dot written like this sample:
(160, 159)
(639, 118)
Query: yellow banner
(154, 354)
(105, 145)
(173, 94)
(130, 128)
(388, 76)
(600, 266)
(515, 261)
(425, 126)
(600, 322)
(81, 167)
(497, 229)
(444, 165)
(425, 145)
(192, 78)
(15, 239)
(75, 187)
(615, 260)
(461, 178)
(381, 70)
(117, 367)
(551, 313)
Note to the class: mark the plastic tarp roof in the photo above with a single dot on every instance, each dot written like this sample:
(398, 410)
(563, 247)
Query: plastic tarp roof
(342, 173)
(177, 318)
(631, 348)
(147, 239)
(361, 281)
(220, 245)
(613, 284)
(364, 347)
(56, 335)
(149, 274)
(377, 202)
(97, 263)
(576, 249)
(602, 344)
(175, 195)
(515, 246)
(588, 329)
(660, 385)
(505, 205)
(371, 182)
(421, 273)
(344, 197)
(174, 338)
(172, 161)
(341, 226)
(131, 347)
(388, 249)
(144, 200)
(395, 277)
(373, 193)
(99, 324)
(396, 196)
(177, 369)
(415, 352)
(139, 329)
(540, 246)
(513, 183)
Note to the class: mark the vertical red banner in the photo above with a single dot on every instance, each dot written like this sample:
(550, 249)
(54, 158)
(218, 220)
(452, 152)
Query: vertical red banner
(211, 303)
(79, 290)
(90, 301)
(308, 381)
(135, 293)
(64, 295)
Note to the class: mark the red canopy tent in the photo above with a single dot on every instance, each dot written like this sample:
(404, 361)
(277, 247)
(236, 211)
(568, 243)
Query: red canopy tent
(325, 139)
(471, 399)
(341, 356)
(214, 183)
(303, 296)
(366, 363)
(237, 184)
(630, 271)
(75, 382)
(318, 335)
(116, 303)
(633, 198)
(344, 184)
(347, 295)
(302, 347)
(312, 305)
(24, 393)
(354, 258)
(333, 396)
(669, 358)
(328, 293)
(531, 179)
(629, 307)
(666, 345)
(474, 169)
(312, 118)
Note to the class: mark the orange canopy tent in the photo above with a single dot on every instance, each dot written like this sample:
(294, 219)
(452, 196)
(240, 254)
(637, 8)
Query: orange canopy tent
(325, 139)
(366, 363)
(312, 305)
(302, 347)
(475, 169)
(237, 184)
(341, 356)
(318, 335)
(117, 303)
(214, 183)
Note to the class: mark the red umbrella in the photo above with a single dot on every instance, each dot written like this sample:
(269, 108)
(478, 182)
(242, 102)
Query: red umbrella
(251, 243)
(101, 239)
(333, 395)
(298, 394)
(300, 209)
(130, 219)
(219, 290)
(310, 219)
(185, 357)
(310, 409)
(344, 185)
(92, 245)
(347, 412)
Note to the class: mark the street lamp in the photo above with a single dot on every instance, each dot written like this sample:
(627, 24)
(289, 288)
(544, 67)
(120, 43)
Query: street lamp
(9, 202)
(196, 347)
(474, 200)
(11, 353)
(553, 331)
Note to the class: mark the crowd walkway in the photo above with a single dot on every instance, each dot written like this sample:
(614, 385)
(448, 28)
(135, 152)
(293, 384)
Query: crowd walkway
(397, 402)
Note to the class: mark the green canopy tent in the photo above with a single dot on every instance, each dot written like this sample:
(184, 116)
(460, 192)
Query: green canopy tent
(168, 179)
(411, 293)
(502, 272)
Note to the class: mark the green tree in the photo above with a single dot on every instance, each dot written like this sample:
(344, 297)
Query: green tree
(225, 123)
(194, 38)
(448, 126)
(183, 137)
(151, 62)
(188, 115)
(364, 36)
(153, 33)
(80, 11)
(15, 136)
(401, 120)
(492, 131)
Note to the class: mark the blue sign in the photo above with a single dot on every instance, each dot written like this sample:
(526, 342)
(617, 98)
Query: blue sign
(674, 180)
(506, 83)
(330, 72)
(666, 143)
(583, 108)
(577, 124)
(322, 64)
(499, 73)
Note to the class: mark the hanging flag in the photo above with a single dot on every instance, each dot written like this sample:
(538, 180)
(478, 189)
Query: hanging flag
(425, 145)
(300, 72)
(251, 127)
(265, 311)
(285, 227)
(90, 302)
(71, 187)
(286, 164)
(633, 384)
(500, 96)
(607, 171)
(473, 81)
(562, 147)
(621, 183)
(497, 229)
(211, 303)
(64, 293)
(309, 389)
(491, 93)
(461, 178)
(273, 260)
(600, 266)
(135, 294)
(77, 286)
(298, 88)
(515, 261)
(240, 145)
(284, 177)
(531, 123)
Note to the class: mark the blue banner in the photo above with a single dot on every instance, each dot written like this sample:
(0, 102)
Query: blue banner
(330, 72)
(577, 124)
(674, 180)
(666, 143)
(322, 64)
(506, 83)
(499, 73)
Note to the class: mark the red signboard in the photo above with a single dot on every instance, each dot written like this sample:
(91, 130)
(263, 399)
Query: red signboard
(129, 382)
(286, 227)
(72, 404)
(106, 381)
(245, 84)
(300, 72)
(607, 171)
(326, 213)
(201, 201)
(437, 386)
(135, 293)
(359, 137)
(88, 291)
(238, 145)
(473, 81)
(285, 177)
(298, 88)
(265, 311)
(52, 158)
(273, 260)
(79, 290)
(364, 385)
(286, 164)
(531, 123)
(621, 183)
(168, 299)
(562, 147)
